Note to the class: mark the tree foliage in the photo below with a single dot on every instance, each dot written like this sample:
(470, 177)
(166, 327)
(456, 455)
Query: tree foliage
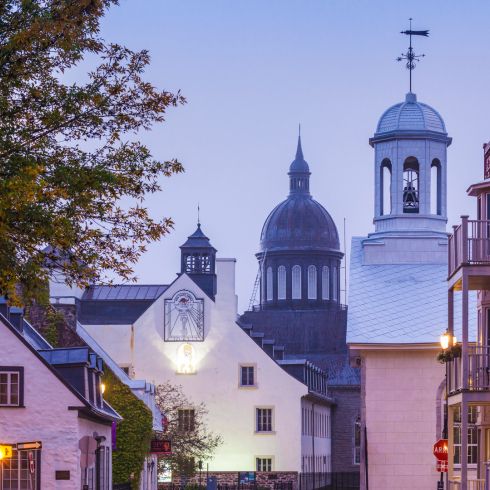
(70, 151)
(190, 444)
(134, 432)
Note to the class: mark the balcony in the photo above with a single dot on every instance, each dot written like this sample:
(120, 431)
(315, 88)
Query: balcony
(469, 244)
(478, 371)
(477, 484)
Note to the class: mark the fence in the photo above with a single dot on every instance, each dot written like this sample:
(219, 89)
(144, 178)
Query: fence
(329, 481)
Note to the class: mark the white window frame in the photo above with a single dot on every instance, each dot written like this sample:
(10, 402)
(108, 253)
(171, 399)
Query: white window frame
(296, 282)
(472, 444)
(312, 282)
(281, 282)
(326, 282)
(260, 422)
(7, 373)
(240, 379)
(261, 460)
(335, 281)
(269, 284)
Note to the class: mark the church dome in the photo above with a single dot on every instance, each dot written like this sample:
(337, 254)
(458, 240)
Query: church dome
(299, 223)
(411, 116)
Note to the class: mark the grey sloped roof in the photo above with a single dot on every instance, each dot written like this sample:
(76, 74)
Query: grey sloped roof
(400, 303)
(117, 305)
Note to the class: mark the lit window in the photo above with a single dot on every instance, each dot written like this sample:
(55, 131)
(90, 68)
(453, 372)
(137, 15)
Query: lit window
(264, 419)
(11, 389)
(263, 464)
(296, 282)
(186, 420)
(16, 472)
(247, 377)
(357, 441)
(281, 282)
(270, 286)
(185, 359)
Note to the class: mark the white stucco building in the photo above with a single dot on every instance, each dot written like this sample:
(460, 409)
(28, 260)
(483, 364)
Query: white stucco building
(273, 414)
(51, 399)
(398, 300)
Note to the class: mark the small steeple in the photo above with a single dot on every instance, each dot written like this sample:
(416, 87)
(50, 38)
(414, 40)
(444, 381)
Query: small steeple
(198, 261)
(299, 172)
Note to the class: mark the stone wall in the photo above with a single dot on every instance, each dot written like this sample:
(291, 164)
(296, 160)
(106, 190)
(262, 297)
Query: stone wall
(344, 414)
(267, 480)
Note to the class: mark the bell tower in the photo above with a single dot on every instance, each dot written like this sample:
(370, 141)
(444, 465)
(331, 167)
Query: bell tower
(410, 146)
(198, 261)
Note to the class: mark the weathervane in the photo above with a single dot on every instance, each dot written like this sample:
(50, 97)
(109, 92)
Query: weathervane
(410, 55)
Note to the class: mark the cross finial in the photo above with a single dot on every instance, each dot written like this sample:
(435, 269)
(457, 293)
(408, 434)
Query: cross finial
(410, 57)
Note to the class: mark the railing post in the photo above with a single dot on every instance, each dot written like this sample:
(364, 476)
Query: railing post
(464, 239)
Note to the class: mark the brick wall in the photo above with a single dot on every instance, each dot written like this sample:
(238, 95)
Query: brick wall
(344, 414)
(264, 479)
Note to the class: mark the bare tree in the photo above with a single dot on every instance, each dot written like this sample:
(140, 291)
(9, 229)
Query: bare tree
(185, 426)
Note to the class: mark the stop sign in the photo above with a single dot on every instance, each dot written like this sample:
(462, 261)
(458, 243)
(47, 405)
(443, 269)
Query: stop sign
(440, 450)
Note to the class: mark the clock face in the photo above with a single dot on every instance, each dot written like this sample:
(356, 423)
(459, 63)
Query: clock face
(184, 318)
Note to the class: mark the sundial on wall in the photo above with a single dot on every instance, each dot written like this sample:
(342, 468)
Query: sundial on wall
(184, 318)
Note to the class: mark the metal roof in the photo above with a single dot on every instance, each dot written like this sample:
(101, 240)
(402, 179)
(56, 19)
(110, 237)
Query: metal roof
(400, 303)
(124, 292)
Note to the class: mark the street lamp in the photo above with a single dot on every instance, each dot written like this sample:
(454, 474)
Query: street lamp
(448, 341)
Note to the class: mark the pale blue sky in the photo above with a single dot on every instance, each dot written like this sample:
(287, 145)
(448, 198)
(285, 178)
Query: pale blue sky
(252, 70)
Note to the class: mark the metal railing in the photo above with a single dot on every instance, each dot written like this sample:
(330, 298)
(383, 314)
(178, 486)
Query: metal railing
(478, 371)
(469, 244)
(476, 484)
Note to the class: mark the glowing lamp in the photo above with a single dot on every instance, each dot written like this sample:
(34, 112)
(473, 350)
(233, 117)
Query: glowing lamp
(185, 359)
(102, 388)
(447, 340)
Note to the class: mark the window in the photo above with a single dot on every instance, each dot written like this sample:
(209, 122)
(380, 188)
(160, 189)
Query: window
(16, 471)
(11, 386)
(385, 187)
(186, 420)
(435, 187)
(357, 441)
(270, 291)
(472, 436)
(325, 282)
(247, 377)
(296, 282)
(263, 464)
(281, 282)
(311, 282)
(411, 185)
(263, 420)
(334, 284)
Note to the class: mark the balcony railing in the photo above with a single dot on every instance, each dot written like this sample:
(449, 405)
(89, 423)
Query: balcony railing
(478, 371)
(472, 484)
(469, 244)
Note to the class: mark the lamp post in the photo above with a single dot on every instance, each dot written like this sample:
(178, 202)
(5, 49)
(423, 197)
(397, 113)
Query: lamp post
(448, 341)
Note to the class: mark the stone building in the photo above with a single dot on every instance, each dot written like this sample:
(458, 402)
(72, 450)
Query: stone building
(300, 307)
(398, 300)
(273, 414)
(52, 412)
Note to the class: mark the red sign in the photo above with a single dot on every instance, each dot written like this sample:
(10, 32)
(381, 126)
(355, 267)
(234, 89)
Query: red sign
(440, 450)
(162, 447)
(442, 466)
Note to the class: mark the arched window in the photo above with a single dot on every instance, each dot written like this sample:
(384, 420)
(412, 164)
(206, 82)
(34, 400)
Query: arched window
(411, 185)
(312, 292)
(296, 282)
(385, 187)
(335, 286)
(281, 282)
(325, 282)
(270, 290)
(435, 187)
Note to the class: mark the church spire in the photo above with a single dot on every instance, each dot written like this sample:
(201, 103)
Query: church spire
(299, 172)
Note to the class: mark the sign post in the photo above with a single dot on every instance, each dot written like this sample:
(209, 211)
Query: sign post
(440, 451)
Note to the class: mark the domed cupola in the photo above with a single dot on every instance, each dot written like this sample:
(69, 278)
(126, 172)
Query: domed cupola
(300, 250)
(410, 145)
